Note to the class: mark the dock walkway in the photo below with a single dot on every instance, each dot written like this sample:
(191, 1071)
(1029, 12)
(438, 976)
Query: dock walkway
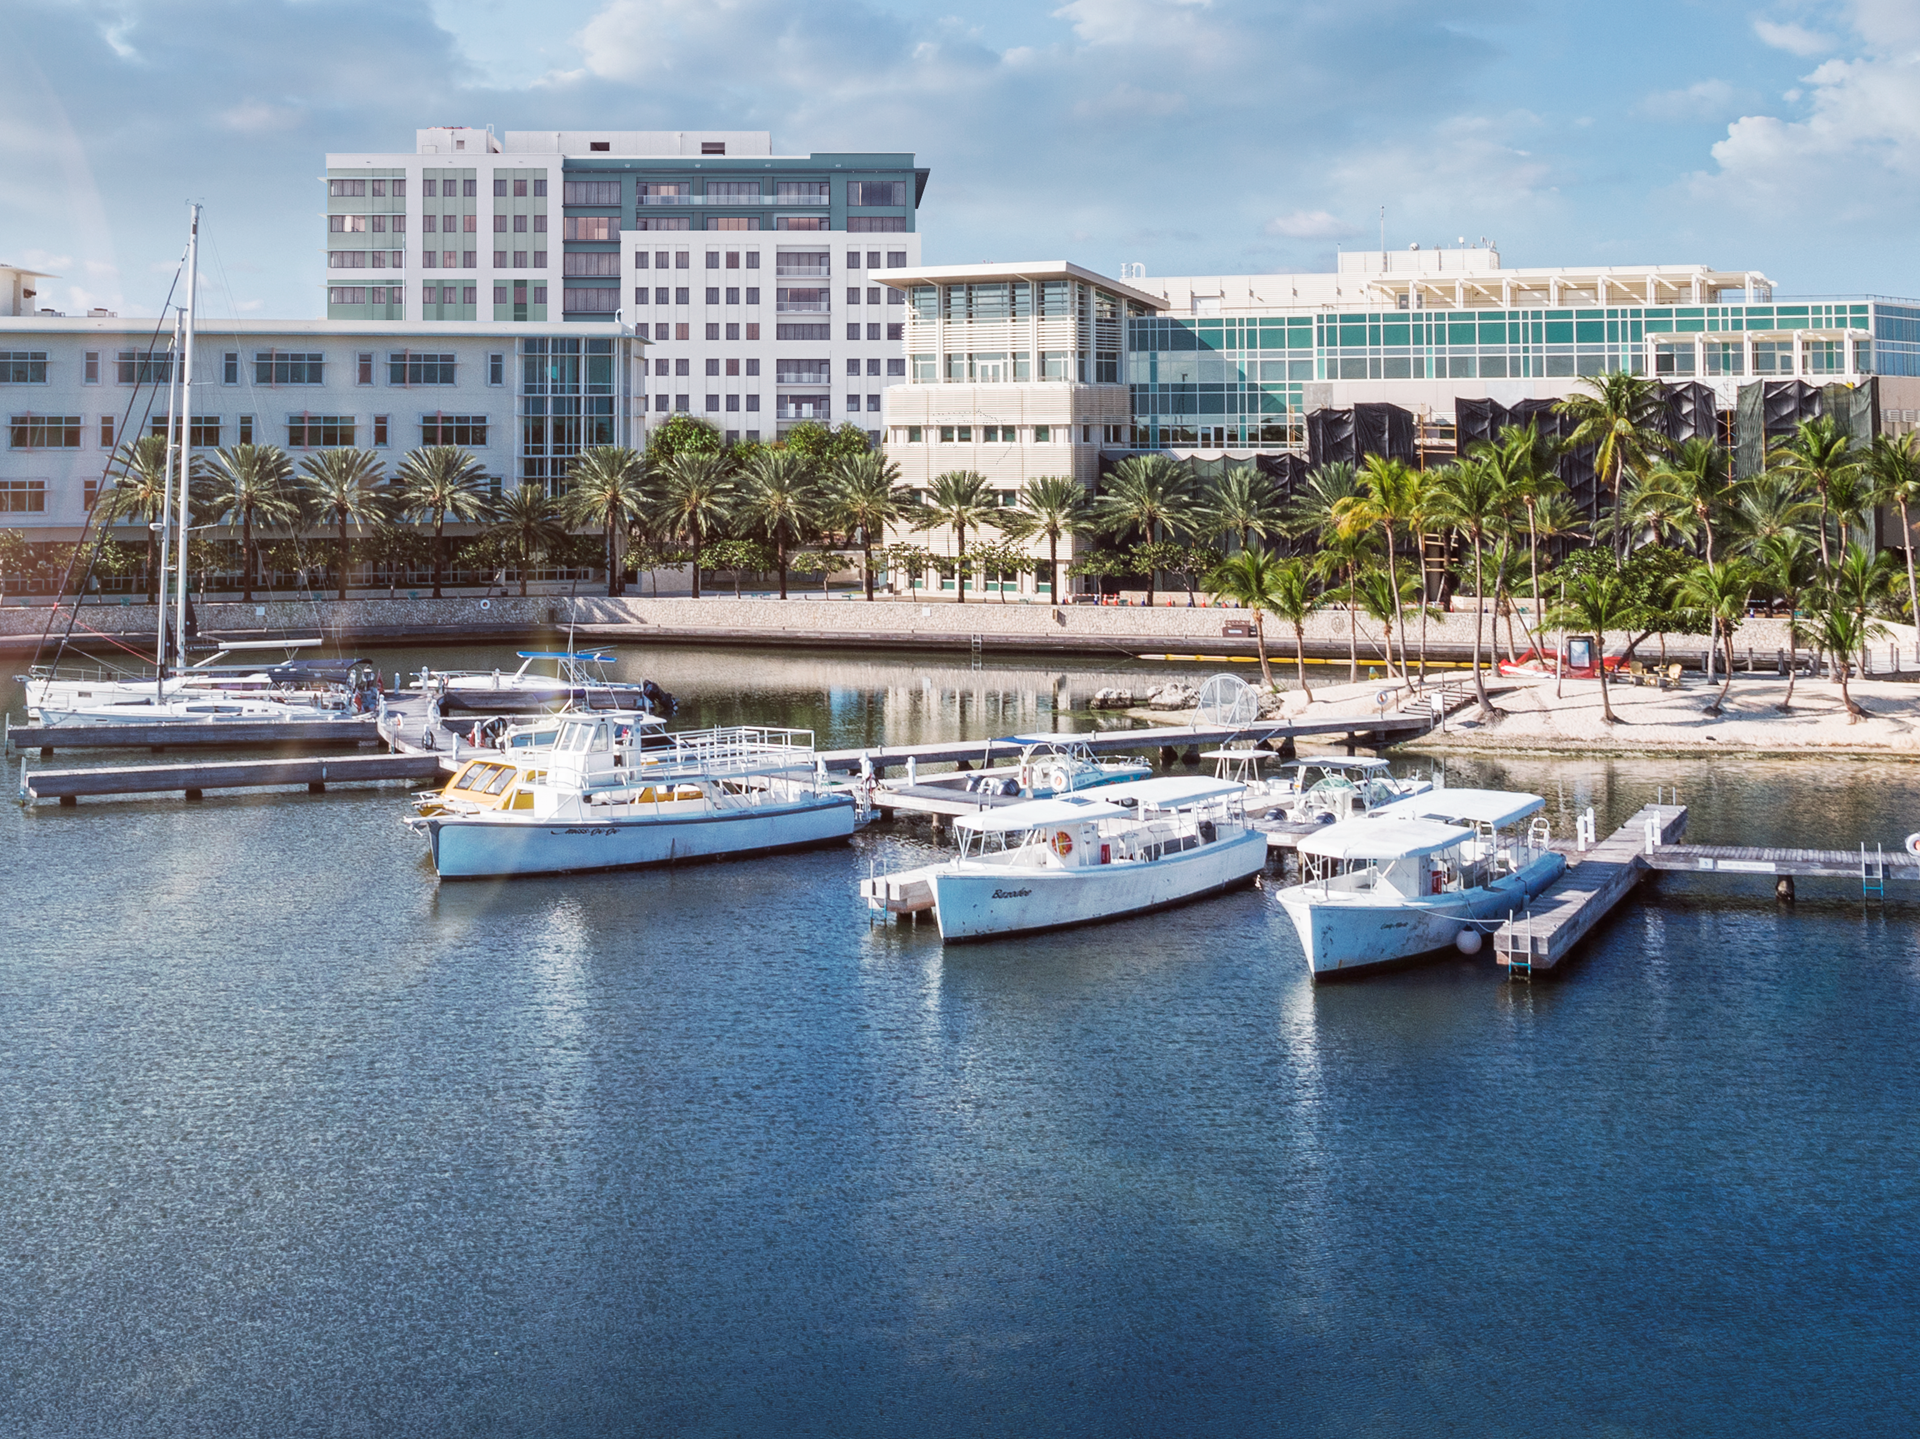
(191, 735)
(1563, 914)
(1869, 866)
(194, 777)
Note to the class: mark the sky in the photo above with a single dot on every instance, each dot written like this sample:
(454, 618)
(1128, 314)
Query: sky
(1192, 136)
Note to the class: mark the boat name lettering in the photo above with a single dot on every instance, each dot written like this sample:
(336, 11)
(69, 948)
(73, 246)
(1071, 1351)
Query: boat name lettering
(608, 829)
(1011, 893)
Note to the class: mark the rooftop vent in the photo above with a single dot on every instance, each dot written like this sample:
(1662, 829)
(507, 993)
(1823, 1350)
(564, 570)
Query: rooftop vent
(713, 147)
(599, 144)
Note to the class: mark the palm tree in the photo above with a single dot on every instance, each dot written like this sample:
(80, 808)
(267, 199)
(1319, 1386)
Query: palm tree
(1526, 460)
(1701, 473)
(1817, 456)
(1617, 419)
(1151, 493)
(1787, 567)
(1382, 593)
(1291, 598)
(1346, 550)
(959, 500)
(259, 476)
(1596, 603)
(340, 486)
(1767, 504)
(528, 522)
(1651, 507)
(1312, 511)
(864, 496)
(1838, 630)
(780, 499)
(1862, 579)
(1721, 590)
(139, 492)
(695, 497)
(1469, 497)
(1052, 508)
(1392, 499)
(606, 488)
(437, 481)
(1555, 517)
(1894, 465)
(1249, 578)
(1243, 502)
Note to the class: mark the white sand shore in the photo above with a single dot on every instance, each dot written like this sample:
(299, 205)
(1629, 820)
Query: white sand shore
(1531, 718)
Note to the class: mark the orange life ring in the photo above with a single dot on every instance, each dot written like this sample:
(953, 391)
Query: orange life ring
(1062, 843)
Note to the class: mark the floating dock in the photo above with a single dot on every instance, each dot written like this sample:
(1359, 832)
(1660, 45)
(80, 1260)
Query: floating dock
(1596, 880)
(304, 733)
(1872, 867)
(192, 778)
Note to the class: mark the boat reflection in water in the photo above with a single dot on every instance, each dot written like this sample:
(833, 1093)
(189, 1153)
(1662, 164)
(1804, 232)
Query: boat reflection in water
(614, 791)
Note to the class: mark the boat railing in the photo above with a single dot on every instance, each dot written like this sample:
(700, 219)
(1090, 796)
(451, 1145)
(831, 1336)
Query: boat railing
(736, 749)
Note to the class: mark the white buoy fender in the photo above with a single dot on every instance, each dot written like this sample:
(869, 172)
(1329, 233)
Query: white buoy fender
(1467, 941)
(1913, 844)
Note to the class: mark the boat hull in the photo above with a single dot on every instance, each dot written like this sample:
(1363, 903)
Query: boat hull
(487, 847)
(1351, 936)
(973, 904)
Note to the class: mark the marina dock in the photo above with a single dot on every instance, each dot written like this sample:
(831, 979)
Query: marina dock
(194, 777)
(306, 735)
(1595, 881)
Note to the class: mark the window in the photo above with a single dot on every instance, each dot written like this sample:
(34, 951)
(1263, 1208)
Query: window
(896, 259)
(713, 367)
(347, 260)
(585, 227)
(853, 294)
(594, 263)
(499, 259)
(800, 332)
(469, 188)
(639, 259)
(753, 262)
(713, 332)
(876, 192)
(519, 259)
(680, 332)
(713, 259)
(540, 225)
(467, 258)
(753, 332)
(800, 372)
(409, 368)
(599, 144)
(499, 186)
(800, 192)
(314, 432)
(800, 222)
(753, 294)
(660, 333)
(427, 188)
(278, 367)
(898, 332)
(245, 427)
(660, 296)
(853, 367)
(713, 404)
(500, 223)
(437, 429)
(802, 302)
(713, 294)
(873, 332)
(659, 402)
(733, 294)
(733, 403)
(346, 189)
(683, 403)
(873, 294)
(753, 367)
(29, 367)
(682, 295)
(92, 367)
(106, 432)
(873, 404)
(682, 259)
(539, 188)
(590, 302)
(682, 367)
(803, 264)
(663, 367)
(539, 294)
(914, 433)
(429, 224)
(733, 259)
(591, 192)
(380, 430)
(23, 497)
(853, 332)
(499, 298)
(753, 407)
(876, 224)
(897, 368)
(733, 367)
(713, 147)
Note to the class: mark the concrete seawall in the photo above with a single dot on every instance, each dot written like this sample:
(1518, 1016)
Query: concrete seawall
(841, 623)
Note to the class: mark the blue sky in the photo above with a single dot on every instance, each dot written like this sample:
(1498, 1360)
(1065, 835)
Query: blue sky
(1195, 136)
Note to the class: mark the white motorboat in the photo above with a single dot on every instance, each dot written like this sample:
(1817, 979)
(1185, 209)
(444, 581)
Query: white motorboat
(300, 683)
(1078, 858)
(1417, 876)
(1326, 790)
(1052, 767)
(186, 708)
(614, 792)
(569, 678)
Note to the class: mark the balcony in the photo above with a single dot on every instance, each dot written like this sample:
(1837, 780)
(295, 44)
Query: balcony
(733, 200)
(805, 407)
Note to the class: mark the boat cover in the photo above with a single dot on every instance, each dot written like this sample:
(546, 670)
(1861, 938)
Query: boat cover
(1383, 839)
(1497, 807)
(1040, 813)
(1171, 791)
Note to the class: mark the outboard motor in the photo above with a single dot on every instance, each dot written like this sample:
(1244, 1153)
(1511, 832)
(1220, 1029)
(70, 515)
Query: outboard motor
(661, 703)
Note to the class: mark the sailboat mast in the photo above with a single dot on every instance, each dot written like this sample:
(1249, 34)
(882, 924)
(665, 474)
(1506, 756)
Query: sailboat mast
(186, 385)
(166, 516)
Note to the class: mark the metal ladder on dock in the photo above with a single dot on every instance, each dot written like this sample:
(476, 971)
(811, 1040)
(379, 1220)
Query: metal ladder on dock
(1519, 967)
(1873, 871)
(976, 651)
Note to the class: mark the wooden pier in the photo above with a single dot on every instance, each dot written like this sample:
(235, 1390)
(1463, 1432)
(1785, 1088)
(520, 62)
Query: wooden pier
(1872, 867)
(1563, 914)
(192, 778)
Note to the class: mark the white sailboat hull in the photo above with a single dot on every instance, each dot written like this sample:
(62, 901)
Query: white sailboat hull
(981, 901)
(1344, 932)
(486, 846)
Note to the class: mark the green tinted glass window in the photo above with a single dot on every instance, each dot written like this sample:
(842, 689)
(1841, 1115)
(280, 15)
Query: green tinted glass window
(1353, 336)
(1396, 334)
(1590, 331)
(1494, 334)
(1559, 332)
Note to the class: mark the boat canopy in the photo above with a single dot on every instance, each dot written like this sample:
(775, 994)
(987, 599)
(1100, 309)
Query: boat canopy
(1040, 814)
(1171, 791)
(1371, 766)
(1497, 807)
(1383, 839)
(595, 656)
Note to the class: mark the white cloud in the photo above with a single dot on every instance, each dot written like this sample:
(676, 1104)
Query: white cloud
(1793, 38)
(1702, 100)
(1311, 225)
(251, 117)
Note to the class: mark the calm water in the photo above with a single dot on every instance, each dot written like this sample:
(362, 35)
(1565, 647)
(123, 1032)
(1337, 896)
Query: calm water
(295, 1141)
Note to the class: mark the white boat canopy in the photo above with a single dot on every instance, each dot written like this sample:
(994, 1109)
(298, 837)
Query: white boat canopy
(1497, 807)
(1371, 766)
(1171, 791)
(1383, 839)
(1040, 814)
